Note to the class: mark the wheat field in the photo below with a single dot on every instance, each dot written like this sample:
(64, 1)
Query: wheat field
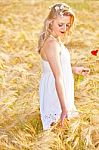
(20, 69)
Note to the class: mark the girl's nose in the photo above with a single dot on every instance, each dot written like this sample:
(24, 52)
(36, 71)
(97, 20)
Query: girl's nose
(64, 27)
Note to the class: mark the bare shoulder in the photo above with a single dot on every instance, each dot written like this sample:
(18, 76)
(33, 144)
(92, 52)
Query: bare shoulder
(51, 46)
(52, 50)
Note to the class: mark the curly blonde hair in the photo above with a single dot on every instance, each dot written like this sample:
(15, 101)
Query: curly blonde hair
(60, 9)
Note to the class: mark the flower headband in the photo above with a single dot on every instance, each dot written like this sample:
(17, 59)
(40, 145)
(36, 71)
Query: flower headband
(60, 8)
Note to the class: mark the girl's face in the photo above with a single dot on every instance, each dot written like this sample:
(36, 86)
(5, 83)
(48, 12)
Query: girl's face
(60, 25)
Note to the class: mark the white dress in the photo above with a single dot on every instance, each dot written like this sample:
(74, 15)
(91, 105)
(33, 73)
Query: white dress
(50, 109)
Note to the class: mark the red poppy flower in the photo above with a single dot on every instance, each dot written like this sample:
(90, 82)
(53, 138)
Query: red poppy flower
(94, 52)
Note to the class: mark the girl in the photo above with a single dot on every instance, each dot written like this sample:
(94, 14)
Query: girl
(57, 84)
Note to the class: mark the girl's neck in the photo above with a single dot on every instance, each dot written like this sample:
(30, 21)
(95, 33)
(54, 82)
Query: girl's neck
(56, 38)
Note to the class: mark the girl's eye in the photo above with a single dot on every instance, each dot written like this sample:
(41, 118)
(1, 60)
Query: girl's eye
(60, 25)
(68, 25)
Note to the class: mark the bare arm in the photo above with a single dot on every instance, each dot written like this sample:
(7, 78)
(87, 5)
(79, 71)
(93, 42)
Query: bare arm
(52, 51)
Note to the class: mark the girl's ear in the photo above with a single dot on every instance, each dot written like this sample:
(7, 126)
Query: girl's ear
(49, 24)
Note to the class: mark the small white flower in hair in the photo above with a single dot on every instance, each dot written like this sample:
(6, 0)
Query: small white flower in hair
(56, 8)
(62, 7)
(61, 14)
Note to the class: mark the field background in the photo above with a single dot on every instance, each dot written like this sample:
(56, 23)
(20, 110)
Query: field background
(20, 69)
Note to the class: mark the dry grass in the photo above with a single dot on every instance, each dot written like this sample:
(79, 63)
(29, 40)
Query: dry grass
(20, 70)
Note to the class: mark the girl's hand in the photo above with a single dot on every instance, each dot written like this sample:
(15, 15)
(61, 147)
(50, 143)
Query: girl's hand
(63, 116)
(85, 71)
(82, 71)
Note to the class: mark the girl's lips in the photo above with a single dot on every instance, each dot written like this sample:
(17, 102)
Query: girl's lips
(62, 32)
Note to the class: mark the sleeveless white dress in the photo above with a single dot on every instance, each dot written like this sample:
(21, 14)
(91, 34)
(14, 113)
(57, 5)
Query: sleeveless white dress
(50, 109)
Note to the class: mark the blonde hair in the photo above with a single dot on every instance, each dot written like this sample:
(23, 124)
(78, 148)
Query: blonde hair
(61, 9)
